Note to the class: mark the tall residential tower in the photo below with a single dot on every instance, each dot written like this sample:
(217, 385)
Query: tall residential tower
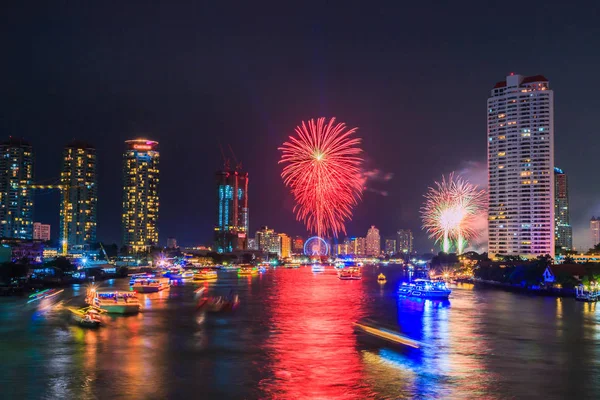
(16, 198)
(520, 137)
(140, 194)
(404, 244)
(563, 232)
(231, 230)
(373, 242)
(78, 203)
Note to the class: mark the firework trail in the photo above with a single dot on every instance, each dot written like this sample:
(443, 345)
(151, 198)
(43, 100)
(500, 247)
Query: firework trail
(323, 172)
(450, 211)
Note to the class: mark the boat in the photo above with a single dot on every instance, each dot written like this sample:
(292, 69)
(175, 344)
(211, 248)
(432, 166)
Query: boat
(381, 278)
(205, 275)
(247, 270)
(114, 301)
(150, 284)
(387, 334)
(292, 265)
(44, 294)
(425, 289)
(187, 274)
(87, 317)
(350, 273)
(219, 303)
(582, 295)
(318, 268)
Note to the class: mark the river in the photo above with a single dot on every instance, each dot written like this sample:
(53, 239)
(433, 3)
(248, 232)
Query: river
(293, 338)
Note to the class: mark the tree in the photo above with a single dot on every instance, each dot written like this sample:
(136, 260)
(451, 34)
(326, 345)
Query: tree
(10, 271)
(62, 264)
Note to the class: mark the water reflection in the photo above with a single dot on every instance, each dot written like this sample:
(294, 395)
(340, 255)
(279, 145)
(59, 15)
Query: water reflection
(292, 337)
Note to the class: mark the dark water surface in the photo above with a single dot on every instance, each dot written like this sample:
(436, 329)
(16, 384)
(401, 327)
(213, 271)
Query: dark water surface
(292, 338)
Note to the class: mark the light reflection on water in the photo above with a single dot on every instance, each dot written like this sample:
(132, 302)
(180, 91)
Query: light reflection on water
(293, 338)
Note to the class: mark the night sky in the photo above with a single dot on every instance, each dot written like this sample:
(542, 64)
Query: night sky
(414, 79)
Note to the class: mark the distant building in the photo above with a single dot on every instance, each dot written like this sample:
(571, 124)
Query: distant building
(356, 246)
(171, 243)
(231, 230)
(341, 249)
(595, 230)
(78, 203)
(32, 250)
(373, 242)
(286, 245)
(298, 245)
(41, 231)
(563, 232)
(404, 243)
(268, 241)
(520, 138)
(390, 246)
(252, 244)
(16, 198)
(140, 194)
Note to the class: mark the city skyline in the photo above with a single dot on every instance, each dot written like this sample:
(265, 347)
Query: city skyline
(189, 113)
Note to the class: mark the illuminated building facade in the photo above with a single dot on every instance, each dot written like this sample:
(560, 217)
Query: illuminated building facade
(373, 242)
(520, 137)
(41, 231)
(298, 245)
(356, 246)
(268, 241)
(404, 241)
(80, 196)
(286, 245)
(595, 230)
(390, 246)
(140, 194)
(231, 230)
(16, 199)
(563, 232)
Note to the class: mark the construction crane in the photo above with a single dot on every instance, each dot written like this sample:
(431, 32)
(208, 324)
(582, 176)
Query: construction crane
(65, 193)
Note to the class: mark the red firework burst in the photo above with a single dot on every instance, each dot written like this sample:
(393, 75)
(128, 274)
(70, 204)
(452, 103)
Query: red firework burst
(323, 172)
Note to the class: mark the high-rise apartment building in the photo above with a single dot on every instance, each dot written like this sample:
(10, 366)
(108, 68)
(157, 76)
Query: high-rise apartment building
(563, 232)
(268, 241)
(231, 230)
(356, 246)
(390, 246)
(41, 231)
(172, 243)
(79, 199)
(140, 194)
(298, 245)
(404, 243)
(16, 197)
(520, 137)
(595, 230)
(252, 245)
(286, 245)
(373, 242)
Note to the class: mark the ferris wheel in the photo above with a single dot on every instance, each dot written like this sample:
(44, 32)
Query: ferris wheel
(316, 246)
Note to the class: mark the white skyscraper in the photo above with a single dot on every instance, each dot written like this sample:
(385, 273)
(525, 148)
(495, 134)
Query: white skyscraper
(373, 242)
(521, 167)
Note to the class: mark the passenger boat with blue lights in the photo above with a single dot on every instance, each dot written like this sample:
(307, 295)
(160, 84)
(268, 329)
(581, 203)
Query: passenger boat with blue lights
(114, 301)
(425, 289)
(150, 284)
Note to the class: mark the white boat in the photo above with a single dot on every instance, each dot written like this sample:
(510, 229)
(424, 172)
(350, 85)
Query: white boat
(425, 289)
(582, 295)
(318, 268)
(150, 284)
(114, 302)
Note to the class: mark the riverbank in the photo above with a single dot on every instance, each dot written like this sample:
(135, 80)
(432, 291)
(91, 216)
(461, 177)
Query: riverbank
(531, 290)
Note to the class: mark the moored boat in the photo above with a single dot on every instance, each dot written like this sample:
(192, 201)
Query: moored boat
(425, 289)
(588, 296)
(114, 302)
(150, 284)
